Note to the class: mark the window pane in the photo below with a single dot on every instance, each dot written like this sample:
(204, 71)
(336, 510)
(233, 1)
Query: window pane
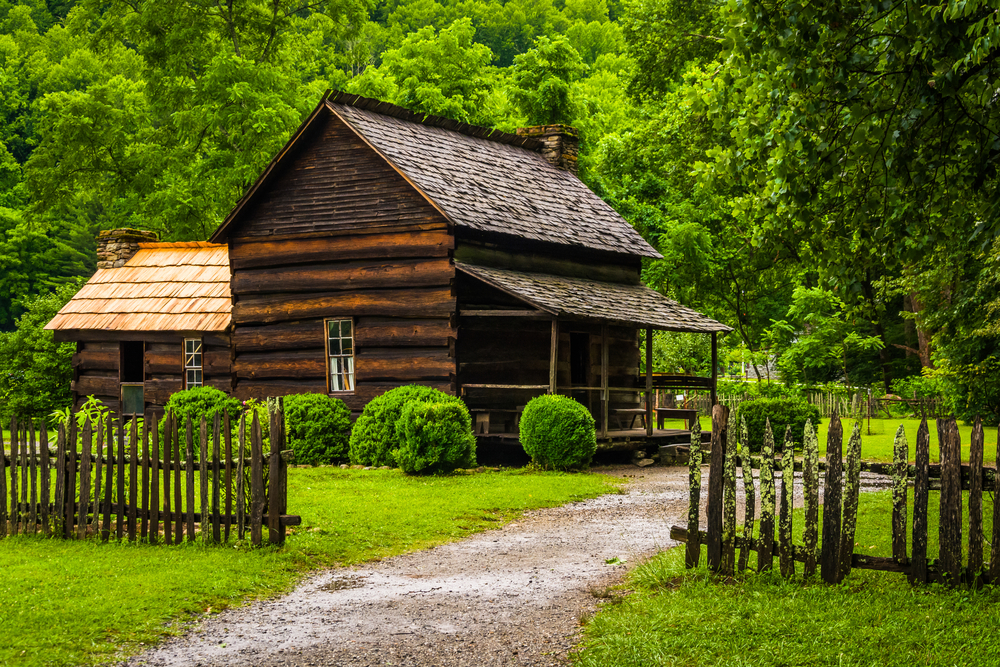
(346, 347)
(132, 400)
(334, 346)
(345, 328)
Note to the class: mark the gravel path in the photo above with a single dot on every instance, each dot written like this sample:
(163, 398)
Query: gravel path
(512, 596)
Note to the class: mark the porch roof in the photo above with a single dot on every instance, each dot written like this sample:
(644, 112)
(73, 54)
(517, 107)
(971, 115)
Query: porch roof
(561, 296)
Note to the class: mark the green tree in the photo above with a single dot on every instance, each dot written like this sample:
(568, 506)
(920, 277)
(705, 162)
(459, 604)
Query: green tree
(542, 81)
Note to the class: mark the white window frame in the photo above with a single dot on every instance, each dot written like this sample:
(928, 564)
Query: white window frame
(192, 369)
(343, 380)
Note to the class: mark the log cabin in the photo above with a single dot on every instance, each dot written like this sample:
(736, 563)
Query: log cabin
(382, 247)
(154, 319)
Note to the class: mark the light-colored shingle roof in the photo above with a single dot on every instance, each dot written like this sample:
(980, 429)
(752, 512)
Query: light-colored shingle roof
(163, 287)
(610, 302)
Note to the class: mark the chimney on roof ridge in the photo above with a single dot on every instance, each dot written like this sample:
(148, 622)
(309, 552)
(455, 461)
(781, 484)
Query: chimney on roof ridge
(116, 246)
(561, 144)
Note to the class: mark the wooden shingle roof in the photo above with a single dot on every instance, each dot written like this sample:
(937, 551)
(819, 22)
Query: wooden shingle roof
(163, 287)
(478, 178)
(591, 299)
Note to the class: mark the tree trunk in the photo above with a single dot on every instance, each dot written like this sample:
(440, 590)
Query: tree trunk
(923, 336)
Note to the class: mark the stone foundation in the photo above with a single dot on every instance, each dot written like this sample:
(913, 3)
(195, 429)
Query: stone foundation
(562, 144)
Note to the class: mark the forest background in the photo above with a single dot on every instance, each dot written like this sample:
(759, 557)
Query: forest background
(820, 175)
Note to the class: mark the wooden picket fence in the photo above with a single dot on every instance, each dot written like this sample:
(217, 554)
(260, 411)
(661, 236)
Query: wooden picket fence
(108, 480)
(834, 553)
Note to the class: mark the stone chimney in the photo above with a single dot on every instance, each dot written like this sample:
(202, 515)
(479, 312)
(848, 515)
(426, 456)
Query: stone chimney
(116, 246)
(561, 144)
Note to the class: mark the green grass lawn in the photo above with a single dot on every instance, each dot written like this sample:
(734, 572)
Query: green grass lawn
(676, 616)
(73, 603)
(876, 445)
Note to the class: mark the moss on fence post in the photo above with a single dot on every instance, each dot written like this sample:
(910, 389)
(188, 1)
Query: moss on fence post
(810, 485)
(693, 552)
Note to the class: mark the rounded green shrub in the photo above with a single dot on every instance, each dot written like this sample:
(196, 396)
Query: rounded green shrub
(435, 437)
(317, 428)
(557, 432)
(198, 402)
(374, 436)
(782, 412)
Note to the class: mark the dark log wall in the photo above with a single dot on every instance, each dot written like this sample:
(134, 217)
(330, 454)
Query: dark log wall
(340, 234)
(96, 364)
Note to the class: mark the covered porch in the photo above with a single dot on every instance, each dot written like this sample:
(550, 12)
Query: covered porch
(525, 334)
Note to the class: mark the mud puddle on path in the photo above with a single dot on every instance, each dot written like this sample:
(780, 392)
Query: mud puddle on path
(511, 596)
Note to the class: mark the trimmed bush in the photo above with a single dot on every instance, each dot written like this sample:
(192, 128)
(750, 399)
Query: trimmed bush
(317, 428)
(782, 412)
(374, 435)
(557, 432)
(194, 403)
(434, 437)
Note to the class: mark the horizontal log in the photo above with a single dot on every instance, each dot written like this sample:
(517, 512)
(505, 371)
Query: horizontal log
(302, 335)
(394, 365)
(89, 336)
(264, 388)
(244, 254)
(159, 390)
(292, 365)
(97, 385)
(415, 302)
(381, 332)
(345, 276)
(483, 312)
(97, 359)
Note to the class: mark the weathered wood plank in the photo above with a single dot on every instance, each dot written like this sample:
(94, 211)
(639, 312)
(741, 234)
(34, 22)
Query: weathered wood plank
(203, 446)
(84, 506)
(98, 475)
(810, 486)
(950, 524)
(25, 484)
(416, 302)
(3, 485)
(109, 477)
(178, 504)
(750, 501)
(241, 499)
(229, 474)
(852, 489)
(158, 390)
(216, 527)
(133, 477)
(785, 562)
(900, 455)
(154, 482)
(765, 543)
(995, 542)
(245, 254)
(830, 550)
(693, 550)
(274, 465)
(144, 509)
(90, 359)
(68, 507)
(33, 476)
(976, 446)
(330, 277)
(716, 485)
(728, 565)
(257, 499)
(98, 385)
(189, 481)
(15, 512)
(120, 489)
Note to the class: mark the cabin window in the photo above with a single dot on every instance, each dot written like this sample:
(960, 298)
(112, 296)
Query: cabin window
(340, 354)
(193, 374)
(131, 360)
(579, 358)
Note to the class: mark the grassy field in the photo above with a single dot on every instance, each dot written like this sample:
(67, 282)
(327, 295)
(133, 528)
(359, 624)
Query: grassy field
(688, 617)
(75, 603)
(876, 445)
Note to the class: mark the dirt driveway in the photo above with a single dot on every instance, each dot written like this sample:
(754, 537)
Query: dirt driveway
(512, 596)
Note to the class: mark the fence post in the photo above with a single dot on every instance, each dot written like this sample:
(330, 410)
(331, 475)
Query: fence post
(109, 479)
(168, 519)
(256, 481)
(976, 502)
(216, 535)
(25, 512)
(120, 485)
(3, 488)
(154, 483)
(830, 550)
(692, 552)
(750, 498)
(765, 544)
(275, 471)
(950, 524)
(716, 482)
(229, 474)
(995, 544)
(189, 480)
(144, 512)
(98, 458)
(729, 497)
(852, 489)
(33, 500)
(241, 491)
(810, 487)
(84, 505)
(133, 476)
(69, 503)
(900, 466)
(206, 517)
(785, 554)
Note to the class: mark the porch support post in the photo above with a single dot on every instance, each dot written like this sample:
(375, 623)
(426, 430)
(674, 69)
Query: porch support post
(605, 398)
(649, 381)
(554, 356)
(715, 367)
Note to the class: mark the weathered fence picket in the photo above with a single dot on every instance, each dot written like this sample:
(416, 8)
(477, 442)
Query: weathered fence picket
(693, 552)
(830, 550)
(729, 497)
(716, 481)
(837, 556)
(107, 466)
